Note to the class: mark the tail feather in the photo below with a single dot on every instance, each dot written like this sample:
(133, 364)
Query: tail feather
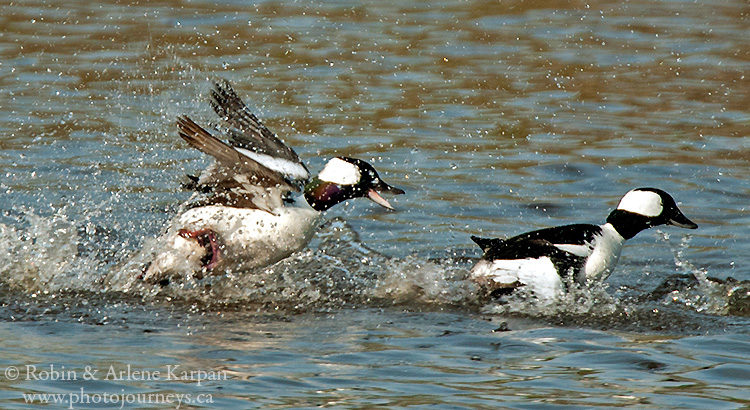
(486, 243)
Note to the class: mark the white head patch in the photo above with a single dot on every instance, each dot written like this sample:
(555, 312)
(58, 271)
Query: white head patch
(340, 172)
(646, 203)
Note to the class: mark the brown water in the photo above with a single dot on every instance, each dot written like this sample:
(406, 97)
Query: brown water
(496, 118)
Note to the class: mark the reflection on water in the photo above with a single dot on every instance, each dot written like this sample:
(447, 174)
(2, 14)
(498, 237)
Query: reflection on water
(496, 118)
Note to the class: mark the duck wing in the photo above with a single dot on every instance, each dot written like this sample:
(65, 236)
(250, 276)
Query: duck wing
(251, 138)
(564, 246)
(235, 179)
(576, 239)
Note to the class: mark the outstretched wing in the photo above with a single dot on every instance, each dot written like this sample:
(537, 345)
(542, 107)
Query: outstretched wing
(235, 179)
(251, 138)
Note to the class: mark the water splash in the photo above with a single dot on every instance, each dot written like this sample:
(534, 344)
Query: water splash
(695, 289)
(48, 255)
(592, 300)
(425, 281)
(42, 255)
(336, 270)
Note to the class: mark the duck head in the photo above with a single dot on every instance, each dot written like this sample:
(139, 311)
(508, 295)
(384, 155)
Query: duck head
(344, 178)
(643, 208)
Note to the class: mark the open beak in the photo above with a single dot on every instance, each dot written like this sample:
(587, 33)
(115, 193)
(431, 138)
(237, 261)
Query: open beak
(375, 197)
(678, 219)
(383, 187)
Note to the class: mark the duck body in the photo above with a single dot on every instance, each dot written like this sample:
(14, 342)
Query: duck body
(547, 258)
(243, 239)
(257, 203)
(545, 261)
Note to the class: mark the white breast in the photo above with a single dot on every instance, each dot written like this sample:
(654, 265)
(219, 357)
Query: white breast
(250, 238)
(605, 255)
(538, 275)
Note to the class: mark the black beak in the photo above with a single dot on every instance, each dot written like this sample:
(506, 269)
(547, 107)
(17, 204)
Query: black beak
(678, 219)
(383, 187)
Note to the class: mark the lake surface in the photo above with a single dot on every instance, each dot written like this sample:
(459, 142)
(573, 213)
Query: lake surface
(495, 118)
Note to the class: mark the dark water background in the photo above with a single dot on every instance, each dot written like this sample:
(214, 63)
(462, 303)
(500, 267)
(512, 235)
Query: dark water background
(495, 117)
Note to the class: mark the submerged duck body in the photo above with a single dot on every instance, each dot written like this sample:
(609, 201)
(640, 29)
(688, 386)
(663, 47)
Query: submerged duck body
(544, 261)
(257, 204)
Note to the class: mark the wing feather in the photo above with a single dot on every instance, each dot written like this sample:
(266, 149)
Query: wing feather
(235, 179)
(247, 132)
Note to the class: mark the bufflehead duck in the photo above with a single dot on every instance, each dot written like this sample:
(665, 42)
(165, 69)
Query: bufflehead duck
(256, 204)
(542, 260)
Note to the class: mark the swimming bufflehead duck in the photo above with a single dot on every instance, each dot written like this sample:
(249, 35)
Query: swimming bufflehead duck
(542, 260)
(256, 204)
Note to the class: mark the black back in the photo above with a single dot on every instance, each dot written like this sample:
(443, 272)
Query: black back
(535, 244)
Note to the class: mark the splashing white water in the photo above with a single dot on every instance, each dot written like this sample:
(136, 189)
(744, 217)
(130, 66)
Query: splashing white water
(337, 269)
(414, 279)
(43, 256)
(591, 300)
(708, 295)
